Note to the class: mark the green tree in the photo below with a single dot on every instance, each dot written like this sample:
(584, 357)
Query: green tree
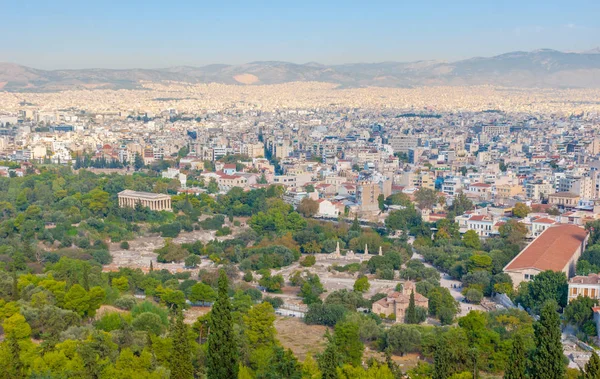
(579, 310)
(97, 296)
(362, 284)
(411, 316)
(399, 198)
(548, 357)
(191, 261)
(474, 295)
(97, 201)
(355, 227)
(260, 328)
(460, 204)
(347, 340)
(513, 232)
(521, 210)
(442, 364)
(381, 202)
(517, 360)
(310, 368)
(592, 368)
(471, 239)
(403, 339)
(308, 261)
(180, 362)
(202, 292)
(308, 207)
(138, 162)
(222, 355)
(77, 300)
(121, 283)
(426, 198)
(544, 286)
(329, 360)
(213, 187)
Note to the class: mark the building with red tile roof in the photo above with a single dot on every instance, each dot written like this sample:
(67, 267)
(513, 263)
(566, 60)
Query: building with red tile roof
(558, 248)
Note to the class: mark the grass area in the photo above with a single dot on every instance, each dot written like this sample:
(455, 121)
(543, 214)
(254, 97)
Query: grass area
(294, 334)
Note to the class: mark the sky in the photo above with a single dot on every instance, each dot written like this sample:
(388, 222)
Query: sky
(153, 34)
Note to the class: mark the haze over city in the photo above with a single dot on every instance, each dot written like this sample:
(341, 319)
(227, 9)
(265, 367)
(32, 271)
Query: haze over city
(300, 190)
(69, 34)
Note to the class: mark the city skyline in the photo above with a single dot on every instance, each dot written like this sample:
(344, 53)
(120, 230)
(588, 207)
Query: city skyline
(69, 35)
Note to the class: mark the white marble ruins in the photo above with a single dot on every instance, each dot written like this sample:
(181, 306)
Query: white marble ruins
(154, 201)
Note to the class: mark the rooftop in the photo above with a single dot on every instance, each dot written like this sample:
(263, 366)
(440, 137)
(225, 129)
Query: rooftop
(144, 195)
(552, 250)
(590, 279)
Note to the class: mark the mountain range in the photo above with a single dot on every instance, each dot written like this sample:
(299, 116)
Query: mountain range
(543, 68)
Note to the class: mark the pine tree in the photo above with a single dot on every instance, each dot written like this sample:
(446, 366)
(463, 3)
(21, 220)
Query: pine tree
(181, 357)
(441, 360)
(517, 360)
(222, 357)
(592, 368)
(410, 316)
(548, 358)
(151, 267)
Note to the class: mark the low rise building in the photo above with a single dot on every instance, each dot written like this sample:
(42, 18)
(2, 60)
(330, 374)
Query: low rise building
(396, 303)
(154, 201)
(558, 248)
(588, 286)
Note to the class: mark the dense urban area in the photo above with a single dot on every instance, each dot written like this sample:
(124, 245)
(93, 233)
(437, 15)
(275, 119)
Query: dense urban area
(300, 230)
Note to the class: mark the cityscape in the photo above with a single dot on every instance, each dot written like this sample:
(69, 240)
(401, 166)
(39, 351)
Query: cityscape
(406, 219)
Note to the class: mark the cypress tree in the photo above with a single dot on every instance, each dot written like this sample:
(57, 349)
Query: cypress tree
(517, 360)
(548, 358)
(355, 225)
(222, 357)
(441, 360)
(411, 312)
(181, 358)
(592, 368)
(14, 350)
(15, 287)
(328, 361)
(86, 277)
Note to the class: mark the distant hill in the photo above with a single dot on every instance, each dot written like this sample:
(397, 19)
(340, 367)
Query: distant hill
(540, 68)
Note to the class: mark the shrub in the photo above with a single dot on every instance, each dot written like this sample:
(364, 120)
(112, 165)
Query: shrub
(474, 295)
(276, 302)
(325, 314)
(308, 261)
(110, 321)
(213, 223)
(126, 302)
(225, 231)
(148, 322)
(191, 261)
(125, 245)
(101, 256)
(147, 306)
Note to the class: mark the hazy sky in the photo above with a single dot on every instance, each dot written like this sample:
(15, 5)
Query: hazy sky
(123, 34)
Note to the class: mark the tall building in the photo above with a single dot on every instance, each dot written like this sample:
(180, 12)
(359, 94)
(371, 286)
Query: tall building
(402, 143)
(368, 194)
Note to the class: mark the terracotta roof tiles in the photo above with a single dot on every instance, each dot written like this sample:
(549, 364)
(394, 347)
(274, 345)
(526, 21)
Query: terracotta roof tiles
(552, 250)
